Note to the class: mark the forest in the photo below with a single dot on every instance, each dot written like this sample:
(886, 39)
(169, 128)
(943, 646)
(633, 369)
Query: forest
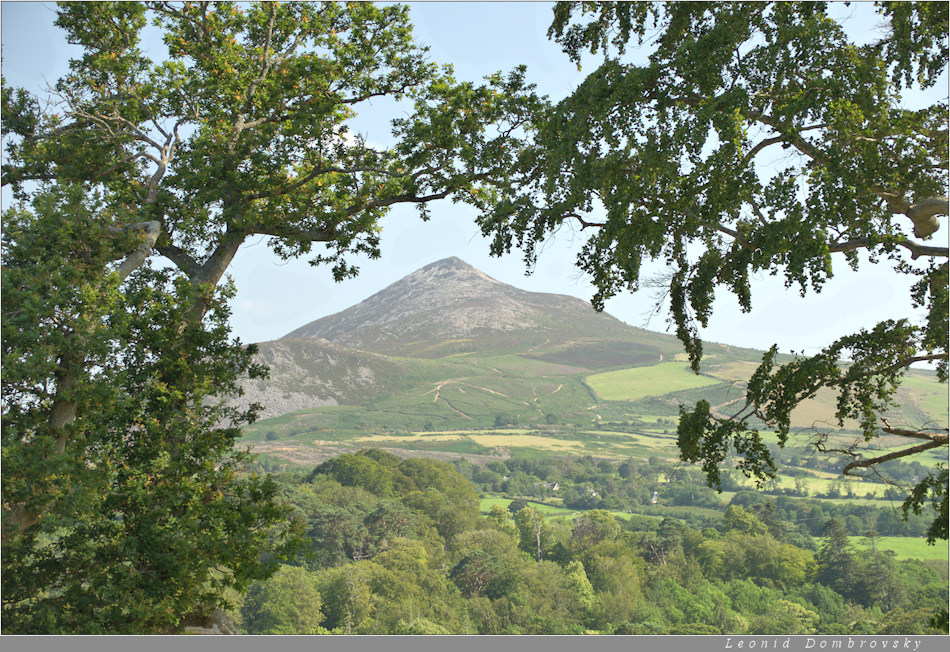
(402, 546)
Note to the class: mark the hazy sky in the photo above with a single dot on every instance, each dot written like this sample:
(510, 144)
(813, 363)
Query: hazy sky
(479, 38)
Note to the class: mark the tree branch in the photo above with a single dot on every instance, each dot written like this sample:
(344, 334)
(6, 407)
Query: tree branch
(314, 174)
(904, 452)
(135, 259)
(913, 434)
(915, 248)
(313, 235)
(188, 265)
(584, 223)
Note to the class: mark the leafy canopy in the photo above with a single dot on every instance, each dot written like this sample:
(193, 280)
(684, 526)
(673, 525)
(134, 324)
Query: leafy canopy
(245, 127)
(125, 503)
(754, 138)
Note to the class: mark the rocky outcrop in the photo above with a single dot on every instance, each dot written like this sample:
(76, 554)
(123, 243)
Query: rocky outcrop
(217, 623)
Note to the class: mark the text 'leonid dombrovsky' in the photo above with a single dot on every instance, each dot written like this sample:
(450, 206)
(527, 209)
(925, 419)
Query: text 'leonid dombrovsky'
(828, 643)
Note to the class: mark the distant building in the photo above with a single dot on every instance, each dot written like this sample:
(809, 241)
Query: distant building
(553, 486)
(655, 498)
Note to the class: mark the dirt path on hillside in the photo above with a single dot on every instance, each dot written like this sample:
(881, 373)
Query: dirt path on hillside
(455, 409)
(491, 391)
(719, 408)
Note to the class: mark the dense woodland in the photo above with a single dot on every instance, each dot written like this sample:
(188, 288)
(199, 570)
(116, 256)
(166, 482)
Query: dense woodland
(400, 546)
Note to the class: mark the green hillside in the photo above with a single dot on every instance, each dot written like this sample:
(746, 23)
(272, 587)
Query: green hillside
(448, 362)
(535, 402)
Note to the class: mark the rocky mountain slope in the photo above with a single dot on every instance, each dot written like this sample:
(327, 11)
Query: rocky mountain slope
(451, 300)
(413, 331)
(450, 347)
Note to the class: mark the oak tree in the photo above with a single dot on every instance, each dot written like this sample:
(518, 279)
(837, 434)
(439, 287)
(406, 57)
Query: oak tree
(755, 138)
(125, 502)
(113, 428)
(243, 129)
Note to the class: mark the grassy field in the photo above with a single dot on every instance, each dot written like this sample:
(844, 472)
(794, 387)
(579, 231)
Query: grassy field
(929, 395)
(906, 547)
(552, 511)
(640, 382)
(548, 510)
(539, 401)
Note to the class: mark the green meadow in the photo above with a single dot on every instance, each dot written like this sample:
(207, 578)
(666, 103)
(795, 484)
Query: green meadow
(640, 382)
(906, 547)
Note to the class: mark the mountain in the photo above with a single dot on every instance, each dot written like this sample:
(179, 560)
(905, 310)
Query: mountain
(442, 359)
(414, 331)
(451, 307)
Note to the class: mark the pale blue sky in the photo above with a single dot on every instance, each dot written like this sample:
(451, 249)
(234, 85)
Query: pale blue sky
(480, 38)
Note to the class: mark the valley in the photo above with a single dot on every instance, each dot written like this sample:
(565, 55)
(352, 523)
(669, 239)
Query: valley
(567, 382)
(520, 443)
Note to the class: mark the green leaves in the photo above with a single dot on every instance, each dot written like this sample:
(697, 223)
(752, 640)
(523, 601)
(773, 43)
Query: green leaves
(702, 437)
(124, 506)
(245, 128)
(933, 489)
(748, 138)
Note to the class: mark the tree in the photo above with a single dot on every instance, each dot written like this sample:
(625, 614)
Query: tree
(594, 526)
(289, 602)
(424, 474)
(499, 544)
(674, 161)
(125, 503)
(737, 518)
(243, 129)
(499, 518)
(358, 471)
(837, 563)
(338, 535)
(786, 618)
(880, 583)
(530, 524)
(482, 573)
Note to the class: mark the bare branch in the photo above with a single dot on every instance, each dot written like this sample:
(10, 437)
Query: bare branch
(135, 259)
(913, 434)
(188, 265)
(923, 214)
(722, 228)
(904, 452)
(584, 223)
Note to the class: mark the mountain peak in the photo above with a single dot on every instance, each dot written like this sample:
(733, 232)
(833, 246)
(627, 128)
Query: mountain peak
(453, 262)
(450, 299)
(444, 276)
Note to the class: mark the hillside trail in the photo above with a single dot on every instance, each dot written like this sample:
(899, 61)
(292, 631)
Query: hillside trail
(455, 409)
(491, 391)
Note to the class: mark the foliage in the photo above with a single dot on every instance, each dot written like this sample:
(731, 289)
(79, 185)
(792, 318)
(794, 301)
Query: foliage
(245, 127)
(674, 160)
(125, 504)
(601, 572)
(286, 603)
(114, 429)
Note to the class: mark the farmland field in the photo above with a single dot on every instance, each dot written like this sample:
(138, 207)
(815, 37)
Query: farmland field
(932, 396)
(640, 382)
(906, 547)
